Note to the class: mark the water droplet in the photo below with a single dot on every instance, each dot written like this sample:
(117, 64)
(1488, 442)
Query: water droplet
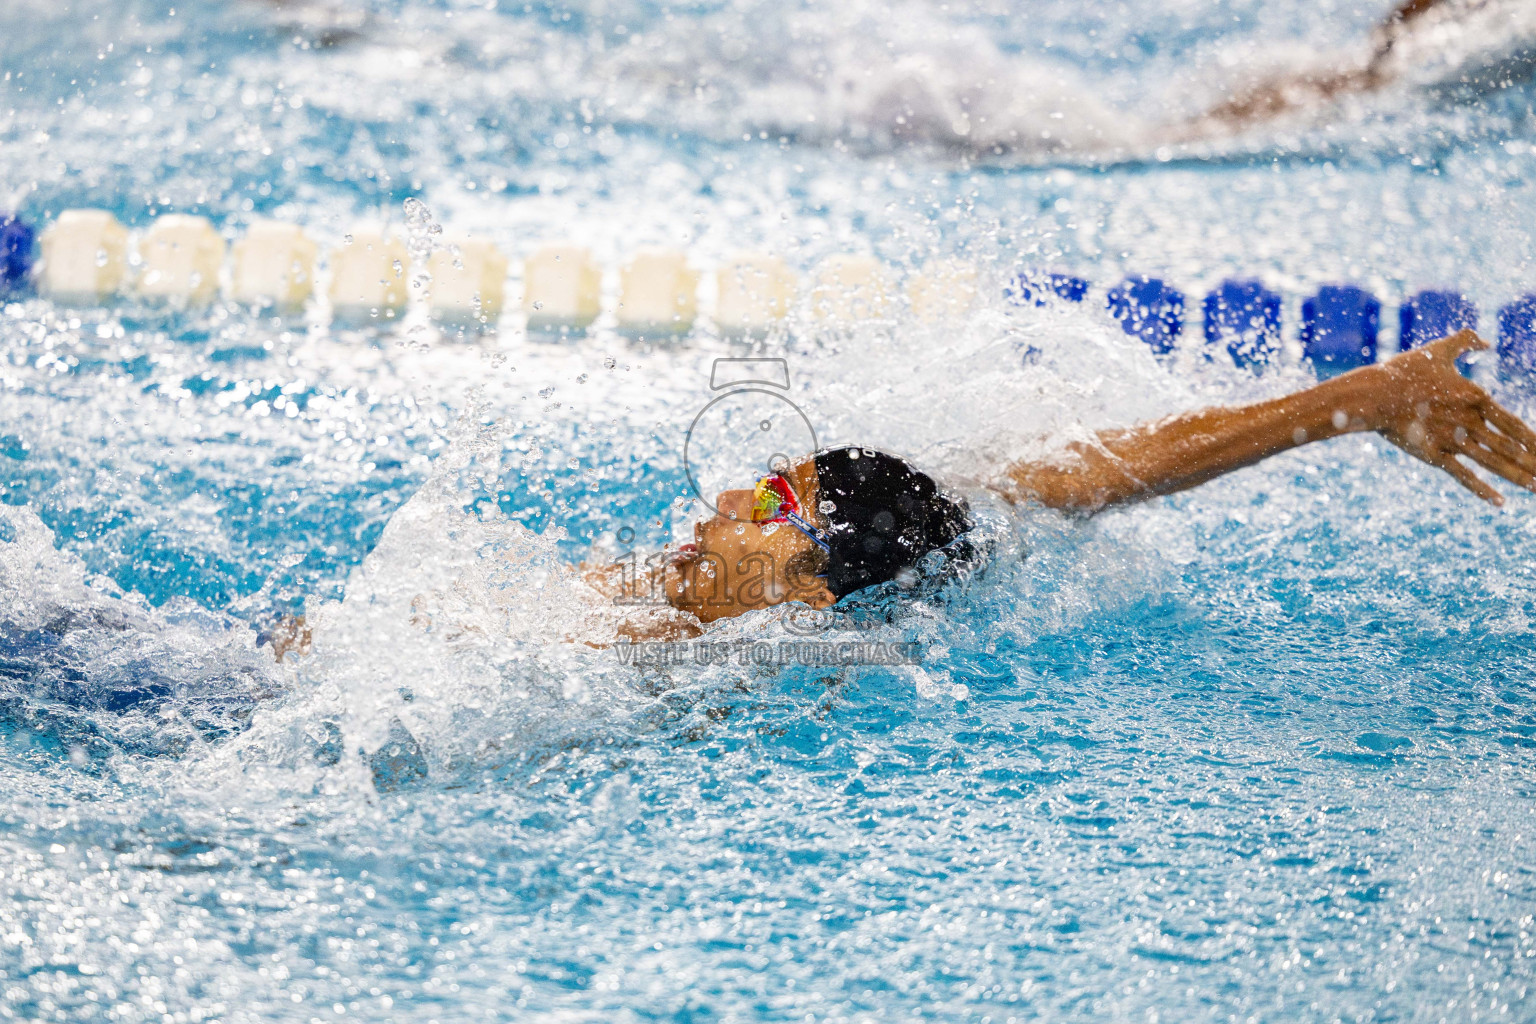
(827, 507)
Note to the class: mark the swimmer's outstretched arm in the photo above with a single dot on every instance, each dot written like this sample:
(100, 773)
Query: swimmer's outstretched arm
(1289, 92)
(1417, 400)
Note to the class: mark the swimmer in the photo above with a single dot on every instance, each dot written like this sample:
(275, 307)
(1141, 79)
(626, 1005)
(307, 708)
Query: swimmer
(849, 519)
(1377, 67)
(842, 520)
(314, 24)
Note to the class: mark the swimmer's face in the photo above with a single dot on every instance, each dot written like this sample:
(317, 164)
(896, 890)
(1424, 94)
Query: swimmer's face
(739, 565)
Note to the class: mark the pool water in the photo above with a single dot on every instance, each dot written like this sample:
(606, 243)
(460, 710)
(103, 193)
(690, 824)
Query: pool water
(1262, 751)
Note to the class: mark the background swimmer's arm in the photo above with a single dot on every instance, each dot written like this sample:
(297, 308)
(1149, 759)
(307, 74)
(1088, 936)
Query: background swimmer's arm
(1286, 93)
(1409, 10)
(1417, 400)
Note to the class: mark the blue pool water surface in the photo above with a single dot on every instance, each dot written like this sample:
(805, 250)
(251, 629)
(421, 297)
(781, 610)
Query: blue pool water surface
(1265, 751)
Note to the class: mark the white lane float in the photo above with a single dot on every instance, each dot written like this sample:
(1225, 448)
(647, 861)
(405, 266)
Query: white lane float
(85, 258)
(943, 291)
(850, 289)
(469, 278)
(273, 266)
(562, 289)
(368, 277)
(180, 257)
(754, 292)
(658, 294)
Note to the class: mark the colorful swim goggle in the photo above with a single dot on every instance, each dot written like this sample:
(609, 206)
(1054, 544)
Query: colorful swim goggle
(774, 501)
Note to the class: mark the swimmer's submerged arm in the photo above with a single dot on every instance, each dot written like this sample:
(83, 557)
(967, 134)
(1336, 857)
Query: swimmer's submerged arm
(1417, 400)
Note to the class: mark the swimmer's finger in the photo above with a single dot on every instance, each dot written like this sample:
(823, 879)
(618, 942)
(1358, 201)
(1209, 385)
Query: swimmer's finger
(1511, 449)
(1468, 479)
(1494, 462)
(1508, 424)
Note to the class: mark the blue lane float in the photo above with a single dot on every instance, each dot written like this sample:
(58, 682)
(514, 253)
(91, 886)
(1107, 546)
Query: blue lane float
(1517, 335)
(1244, 316)
(18, 242)
(1431, 315)
(1149, 309)
(1040, 288)
(1340, 326)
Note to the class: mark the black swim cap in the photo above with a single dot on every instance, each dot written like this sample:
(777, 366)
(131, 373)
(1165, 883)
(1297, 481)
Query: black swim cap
(884, 516)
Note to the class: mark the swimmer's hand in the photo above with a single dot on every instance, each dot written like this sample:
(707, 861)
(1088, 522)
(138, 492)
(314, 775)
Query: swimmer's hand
(1428, 409)
(1417, 400)
(637, 596)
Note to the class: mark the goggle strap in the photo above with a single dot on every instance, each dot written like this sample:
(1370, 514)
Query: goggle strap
(807, 529)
